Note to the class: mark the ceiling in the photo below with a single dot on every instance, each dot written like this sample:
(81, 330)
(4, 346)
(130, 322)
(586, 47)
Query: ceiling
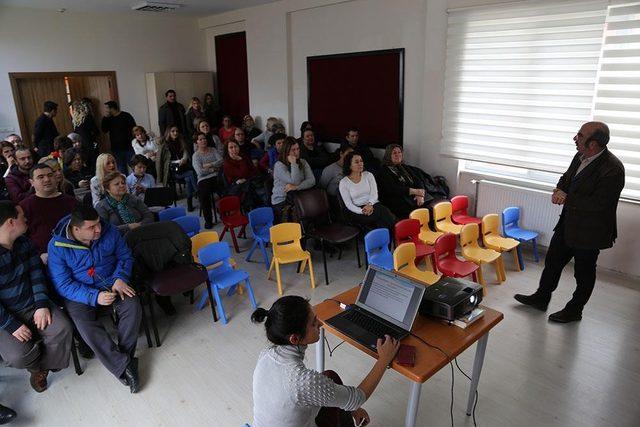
(194, 8)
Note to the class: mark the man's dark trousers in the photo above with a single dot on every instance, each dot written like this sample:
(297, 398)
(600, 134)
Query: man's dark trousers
(115, 357)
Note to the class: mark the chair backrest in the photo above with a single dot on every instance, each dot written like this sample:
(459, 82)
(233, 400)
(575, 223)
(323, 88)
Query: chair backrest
(216, 253)
(189, 224)
(285, 234)
(228, 206)
(312, 205)
(407, 230)
(404, 258)
(377, 241)
(158, 196)
(510, 217)
(421, 215)
(460, 204)
(445, 245)
(171, 213)
(491, 225)
(260, 219)
(442, 212)
(202, 239)
(469, 235)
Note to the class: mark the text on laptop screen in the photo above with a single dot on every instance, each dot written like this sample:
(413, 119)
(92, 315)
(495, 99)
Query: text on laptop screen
(391, 296)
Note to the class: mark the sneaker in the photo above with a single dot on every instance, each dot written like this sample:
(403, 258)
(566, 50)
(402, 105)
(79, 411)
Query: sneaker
(38, 380)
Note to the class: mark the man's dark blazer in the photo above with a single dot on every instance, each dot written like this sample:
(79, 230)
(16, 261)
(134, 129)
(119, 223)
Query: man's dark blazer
(589, 213)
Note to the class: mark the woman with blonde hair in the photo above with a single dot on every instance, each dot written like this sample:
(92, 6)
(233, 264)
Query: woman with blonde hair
(194, 112)
(84, 125)
(105, 164)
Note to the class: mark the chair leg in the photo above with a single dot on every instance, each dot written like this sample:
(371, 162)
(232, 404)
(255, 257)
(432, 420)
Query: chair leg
(145, 326)
(211, 302)
(358, 253)
(434, 266)
(520, 258)
(311, 276)
(252, 298)
(74, 356)
(270, 269)
(503, 272)
(535, 250)
(302, 266)
(324, 260)
(216, 294)
(224, 230)
(265, 254)
(278, 278)
(516, 258)
(474, 277)
(254, 245)
(153, 321)
(235, 241)
(243, 232)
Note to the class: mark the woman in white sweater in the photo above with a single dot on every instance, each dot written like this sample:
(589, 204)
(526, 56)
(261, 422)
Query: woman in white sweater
(359, 193)
(288, 394)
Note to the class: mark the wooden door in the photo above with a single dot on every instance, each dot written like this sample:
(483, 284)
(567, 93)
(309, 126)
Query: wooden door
(98, 89)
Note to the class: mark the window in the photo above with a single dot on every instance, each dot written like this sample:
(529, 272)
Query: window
(522, 78)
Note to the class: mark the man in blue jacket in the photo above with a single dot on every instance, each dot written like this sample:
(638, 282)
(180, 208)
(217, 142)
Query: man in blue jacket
(90, 266)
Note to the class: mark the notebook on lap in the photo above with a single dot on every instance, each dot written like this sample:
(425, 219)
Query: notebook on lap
(387, 304)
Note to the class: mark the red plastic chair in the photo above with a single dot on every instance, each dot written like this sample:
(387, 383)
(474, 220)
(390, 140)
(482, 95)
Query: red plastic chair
(408, 231)
(448, 263)
(459, 208)
(232, 218)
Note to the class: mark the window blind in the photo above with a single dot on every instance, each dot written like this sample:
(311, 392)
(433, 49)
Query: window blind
(617, 98)
(520, 80)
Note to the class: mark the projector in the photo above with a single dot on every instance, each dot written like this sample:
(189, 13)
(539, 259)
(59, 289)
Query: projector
(450, 298)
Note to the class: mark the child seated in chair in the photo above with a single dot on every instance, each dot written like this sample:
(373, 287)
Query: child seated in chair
(139, 180)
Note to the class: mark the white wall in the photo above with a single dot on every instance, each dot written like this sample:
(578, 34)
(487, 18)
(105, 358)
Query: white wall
(132, 44)
(281, 35)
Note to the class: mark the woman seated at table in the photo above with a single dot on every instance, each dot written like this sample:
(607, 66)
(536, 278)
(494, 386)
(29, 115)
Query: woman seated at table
(402, 187)
(359, 193)
(120, 208)
(207, 164)
(105, 164)
(243, 178)
(290, 173)
(75, 169)
(286, 393)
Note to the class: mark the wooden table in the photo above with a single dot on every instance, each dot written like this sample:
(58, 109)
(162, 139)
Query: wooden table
(451, 339)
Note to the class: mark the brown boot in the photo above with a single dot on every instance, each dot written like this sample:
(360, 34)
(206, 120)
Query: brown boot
(39, 380)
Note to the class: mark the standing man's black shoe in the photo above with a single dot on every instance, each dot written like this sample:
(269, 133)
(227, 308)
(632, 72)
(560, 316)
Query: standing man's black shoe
(6, 414)
(532, 301)
(131, 375)
(565, 316)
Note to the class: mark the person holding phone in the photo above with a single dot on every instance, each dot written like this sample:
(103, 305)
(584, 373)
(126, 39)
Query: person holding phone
(287, 393)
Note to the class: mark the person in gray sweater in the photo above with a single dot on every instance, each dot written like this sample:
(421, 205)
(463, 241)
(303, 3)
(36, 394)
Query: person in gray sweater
(332, 174)
(290, 173)
(288, 394)
(207, 163)
(119, 207)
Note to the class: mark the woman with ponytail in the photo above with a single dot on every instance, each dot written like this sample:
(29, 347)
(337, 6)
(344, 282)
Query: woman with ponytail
(287, 393)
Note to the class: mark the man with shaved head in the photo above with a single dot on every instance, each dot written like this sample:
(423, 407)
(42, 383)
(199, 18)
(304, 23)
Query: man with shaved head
(588, 191)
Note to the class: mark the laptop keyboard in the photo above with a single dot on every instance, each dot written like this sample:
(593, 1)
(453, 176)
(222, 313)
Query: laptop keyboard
(369, 324)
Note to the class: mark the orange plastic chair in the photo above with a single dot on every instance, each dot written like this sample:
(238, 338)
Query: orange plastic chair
(474, 253)
(201, 240)
(442, 219)
(427, 235)
(285, 241)
(493, 240)
(404, 261)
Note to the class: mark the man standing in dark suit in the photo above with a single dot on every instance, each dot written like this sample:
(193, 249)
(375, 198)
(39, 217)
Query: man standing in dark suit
(172, 113)
(589, 191)
(45, 129)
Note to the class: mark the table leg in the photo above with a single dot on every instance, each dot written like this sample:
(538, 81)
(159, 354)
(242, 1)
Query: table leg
(320, 352)
(412, 406)
(477, 369)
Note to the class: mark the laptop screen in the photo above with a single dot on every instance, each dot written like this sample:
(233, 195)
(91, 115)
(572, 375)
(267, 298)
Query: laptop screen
(392, 297)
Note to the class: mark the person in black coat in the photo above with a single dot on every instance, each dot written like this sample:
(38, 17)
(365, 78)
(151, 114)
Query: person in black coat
(589, 192)
(371, 164)
(172, 113)
(45, 129)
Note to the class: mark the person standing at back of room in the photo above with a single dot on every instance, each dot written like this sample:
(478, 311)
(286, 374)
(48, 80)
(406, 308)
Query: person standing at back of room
(172, 113)
(119, 125)
(45, 129)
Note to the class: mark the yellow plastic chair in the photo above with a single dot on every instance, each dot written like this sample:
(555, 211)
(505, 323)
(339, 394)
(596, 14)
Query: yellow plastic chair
(285, 241)
(404, 261)
(442, 219)
(201, 240)
(427, 235)
(493, 240)
(471, 251)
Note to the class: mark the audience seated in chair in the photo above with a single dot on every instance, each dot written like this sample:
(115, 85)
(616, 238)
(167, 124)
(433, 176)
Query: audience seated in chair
(62, 185)
(7, 157)
(246, 147)
(173, 162)
(194, 112)
(17, 180)
(270, 157)
(290, 173)
(75, 169)
(359, 193)
(45, 207)
(145, 145)
(120, 208)
(332, 174)
(272, 127)
(105, 164)
(207, 163)
(242, 177)
(250, 129)
(227, 130)
(314, 153)
(213, 140)
(34, 333)
(371, 164)
(90, 266)
(402, 187)
(139, 180)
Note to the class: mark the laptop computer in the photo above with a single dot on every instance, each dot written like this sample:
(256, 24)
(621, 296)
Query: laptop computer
(387, 304)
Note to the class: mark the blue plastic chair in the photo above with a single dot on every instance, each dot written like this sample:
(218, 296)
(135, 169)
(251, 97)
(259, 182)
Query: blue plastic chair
(260, 221)
(376, 245)
(222, 275)
(189, 224)
(510, 228)
(170, 213)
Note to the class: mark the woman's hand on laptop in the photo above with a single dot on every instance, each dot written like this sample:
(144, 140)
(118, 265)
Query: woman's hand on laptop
(387, 349)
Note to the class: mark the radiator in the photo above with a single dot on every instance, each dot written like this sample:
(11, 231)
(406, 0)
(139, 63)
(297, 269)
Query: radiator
(536, 210)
